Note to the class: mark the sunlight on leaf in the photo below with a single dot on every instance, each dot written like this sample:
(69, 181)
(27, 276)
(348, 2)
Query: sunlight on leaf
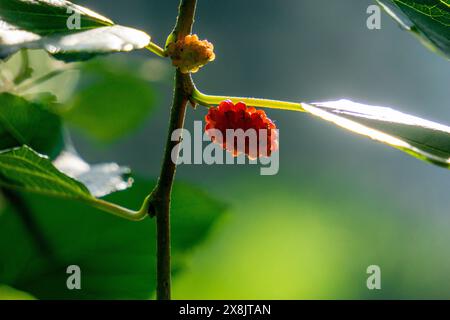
(46, 17)
(44, 24)
(25, 170)
(423, 139)
(100, 179)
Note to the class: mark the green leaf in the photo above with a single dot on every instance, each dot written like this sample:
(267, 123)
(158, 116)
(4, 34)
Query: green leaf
(428, 19)
(423, 139)
(112, 99)
(25, 170)
(117, 257)
(24, 122)
(68, 31)
(8, 293)
(45, 17)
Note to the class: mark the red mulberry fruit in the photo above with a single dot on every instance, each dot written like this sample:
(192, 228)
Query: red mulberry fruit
(238, 116)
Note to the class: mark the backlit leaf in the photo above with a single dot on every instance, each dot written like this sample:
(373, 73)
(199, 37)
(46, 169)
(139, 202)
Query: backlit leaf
(68, 31)
(428, 19)
(423, 139)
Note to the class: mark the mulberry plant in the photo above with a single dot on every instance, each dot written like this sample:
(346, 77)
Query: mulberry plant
(33, 161)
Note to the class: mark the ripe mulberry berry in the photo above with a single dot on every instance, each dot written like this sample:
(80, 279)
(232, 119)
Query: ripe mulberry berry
(190, 54)
(238, 116)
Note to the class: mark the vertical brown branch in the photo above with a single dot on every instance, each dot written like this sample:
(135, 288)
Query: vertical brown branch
(161, 195)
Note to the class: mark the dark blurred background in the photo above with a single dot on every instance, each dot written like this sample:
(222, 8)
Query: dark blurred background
(339, 202)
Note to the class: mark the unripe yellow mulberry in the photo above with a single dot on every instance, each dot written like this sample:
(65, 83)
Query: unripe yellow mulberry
(190, 54)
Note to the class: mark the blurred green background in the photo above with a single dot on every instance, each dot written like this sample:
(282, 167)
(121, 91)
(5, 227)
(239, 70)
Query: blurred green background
(339, 202)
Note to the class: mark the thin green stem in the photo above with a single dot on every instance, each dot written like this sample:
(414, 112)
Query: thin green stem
(6, 84)
(29, 85)
(208, 100)
(25, 71)
(100, 204)
(120, 211)
(153, 47)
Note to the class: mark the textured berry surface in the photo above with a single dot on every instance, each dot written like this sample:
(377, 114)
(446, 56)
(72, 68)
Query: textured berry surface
(238, 116)
(190, 54)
